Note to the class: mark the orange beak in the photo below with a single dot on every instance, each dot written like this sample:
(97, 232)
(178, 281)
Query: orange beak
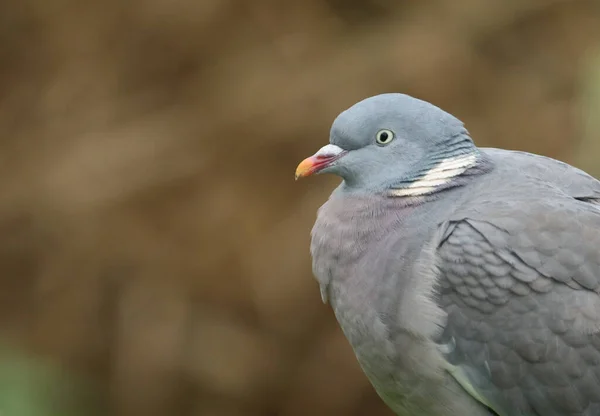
(319, 161)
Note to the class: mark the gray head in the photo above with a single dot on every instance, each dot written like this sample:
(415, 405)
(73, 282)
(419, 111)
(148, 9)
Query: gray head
(393, 141)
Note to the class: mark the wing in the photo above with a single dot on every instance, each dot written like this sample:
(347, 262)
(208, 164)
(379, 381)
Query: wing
(520, 283)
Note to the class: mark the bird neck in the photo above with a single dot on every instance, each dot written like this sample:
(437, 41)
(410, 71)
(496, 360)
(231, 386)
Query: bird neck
(447, 168)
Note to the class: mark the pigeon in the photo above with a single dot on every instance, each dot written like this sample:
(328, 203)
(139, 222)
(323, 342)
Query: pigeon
(466, 279)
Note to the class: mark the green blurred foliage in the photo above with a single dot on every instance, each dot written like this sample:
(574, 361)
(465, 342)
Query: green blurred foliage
(588, 151)
(30, 386)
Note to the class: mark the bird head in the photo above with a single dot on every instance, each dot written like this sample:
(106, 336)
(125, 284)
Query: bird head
(391, 141)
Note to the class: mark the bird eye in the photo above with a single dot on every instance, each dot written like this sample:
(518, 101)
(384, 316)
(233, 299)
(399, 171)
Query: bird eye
(384, 137)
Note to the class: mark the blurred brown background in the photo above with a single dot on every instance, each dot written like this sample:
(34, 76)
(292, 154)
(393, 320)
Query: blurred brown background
(153, 243)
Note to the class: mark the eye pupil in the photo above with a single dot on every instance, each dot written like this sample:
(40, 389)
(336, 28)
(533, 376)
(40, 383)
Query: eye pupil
(383, 136)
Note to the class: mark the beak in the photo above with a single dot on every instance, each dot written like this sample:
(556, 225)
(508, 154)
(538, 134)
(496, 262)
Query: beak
(319, 161)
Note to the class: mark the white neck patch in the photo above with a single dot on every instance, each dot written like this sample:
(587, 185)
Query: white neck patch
(437, 176)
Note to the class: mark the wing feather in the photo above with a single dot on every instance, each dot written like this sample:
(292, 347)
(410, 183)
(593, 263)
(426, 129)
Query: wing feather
(521, 287)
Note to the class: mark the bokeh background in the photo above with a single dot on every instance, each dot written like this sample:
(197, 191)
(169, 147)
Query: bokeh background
(153, 243)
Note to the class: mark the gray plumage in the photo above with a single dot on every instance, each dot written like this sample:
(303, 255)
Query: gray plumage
(465, 279)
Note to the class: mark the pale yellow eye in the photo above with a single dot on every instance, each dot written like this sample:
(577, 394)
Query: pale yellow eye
(384, 137)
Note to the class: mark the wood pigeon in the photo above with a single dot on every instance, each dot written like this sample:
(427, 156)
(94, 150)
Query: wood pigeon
(466, 279)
